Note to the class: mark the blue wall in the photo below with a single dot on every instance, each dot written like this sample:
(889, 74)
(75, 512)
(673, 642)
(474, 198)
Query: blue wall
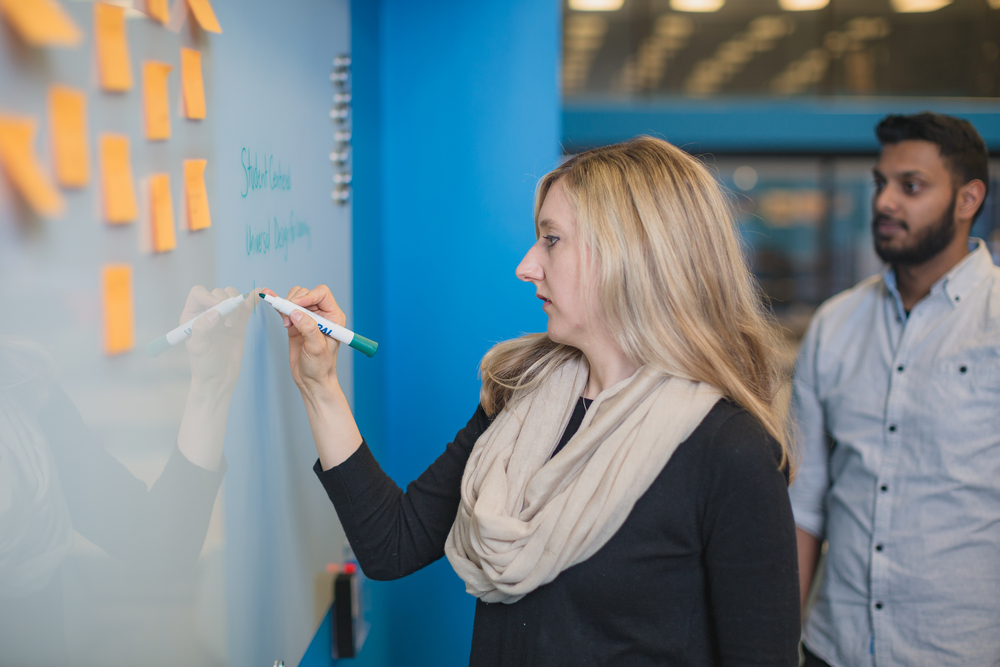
(369, 285)
(837, 125)
(456, 116)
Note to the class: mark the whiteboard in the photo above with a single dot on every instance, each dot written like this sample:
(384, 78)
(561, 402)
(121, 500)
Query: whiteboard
(251, 595)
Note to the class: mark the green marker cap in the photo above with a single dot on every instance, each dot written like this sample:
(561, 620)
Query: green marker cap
(364, 345)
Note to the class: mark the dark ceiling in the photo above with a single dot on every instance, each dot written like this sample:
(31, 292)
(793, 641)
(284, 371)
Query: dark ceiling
(754, 48)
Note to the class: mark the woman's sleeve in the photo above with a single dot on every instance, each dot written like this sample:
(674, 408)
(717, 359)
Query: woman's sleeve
(391, 532)
(750, 550)
(162, 529)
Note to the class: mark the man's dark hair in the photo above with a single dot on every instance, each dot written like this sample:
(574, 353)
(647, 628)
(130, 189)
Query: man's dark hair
(963, 150)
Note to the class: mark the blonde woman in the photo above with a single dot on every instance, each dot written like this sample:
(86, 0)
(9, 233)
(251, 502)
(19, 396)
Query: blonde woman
(620, 495)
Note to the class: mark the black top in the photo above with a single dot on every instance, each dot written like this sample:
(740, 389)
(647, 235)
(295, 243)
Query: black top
(702, 572)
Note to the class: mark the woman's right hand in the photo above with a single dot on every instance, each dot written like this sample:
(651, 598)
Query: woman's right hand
(313, 358)
(312, 355)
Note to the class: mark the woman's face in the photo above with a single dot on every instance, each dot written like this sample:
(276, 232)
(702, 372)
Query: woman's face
(554, 266)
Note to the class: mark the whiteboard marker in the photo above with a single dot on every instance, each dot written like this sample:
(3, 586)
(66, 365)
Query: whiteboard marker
(183, 332)
(334, 331)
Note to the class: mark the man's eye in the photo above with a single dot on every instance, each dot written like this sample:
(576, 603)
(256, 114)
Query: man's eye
(911, 187)
(551, 239)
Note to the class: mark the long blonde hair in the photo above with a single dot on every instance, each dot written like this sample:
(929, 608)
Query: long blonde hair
(673, 285)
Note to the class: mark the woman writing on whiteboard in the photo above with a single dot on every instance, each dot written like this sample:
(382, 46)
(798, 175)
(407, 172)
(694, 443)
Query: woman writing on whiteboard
(619, 496)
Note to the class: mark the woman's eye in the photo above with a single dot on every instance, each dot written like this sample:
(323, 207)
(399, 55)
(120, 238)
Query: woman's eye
(551, 239)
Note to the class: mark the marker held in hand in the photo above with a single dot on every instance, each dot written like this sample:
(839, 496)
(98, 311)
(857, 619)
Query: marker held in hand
(328, 328)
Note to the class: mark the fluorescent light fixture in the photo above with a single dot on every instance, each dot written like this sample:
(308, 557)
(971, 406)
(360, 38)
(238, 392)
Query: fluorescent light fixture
(735, 51)
(596, 5)
(802, 5)
(912, 6)
(586, 25)
(678, 27)
(769, 28)
(696, 5)
(867, 28)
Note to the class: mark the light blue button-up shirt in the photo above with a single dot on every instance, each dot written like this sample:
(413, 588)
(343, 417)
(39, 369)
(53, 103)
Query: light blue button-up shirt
(899, 443)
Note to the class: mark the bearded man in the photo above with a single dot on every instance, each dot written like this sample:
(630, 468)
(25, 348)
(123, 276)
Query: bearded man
(897, 403)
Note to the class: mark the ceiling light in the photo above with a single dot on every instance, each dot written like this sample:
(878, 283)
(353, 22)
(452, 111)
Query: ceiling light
(586, 26)
(802, 5)
(767, 28)
(745, 177)
(662, 43)
(909, 6)
(867, 28)
(697, 5)
(582, 43)
(596, 5)
(735, 52)
(679, 27)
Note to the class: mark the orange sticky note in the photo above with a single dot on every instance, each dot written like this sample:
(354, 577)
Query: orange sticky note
(158, 10)
(202, 10)
(162, 213)
(17, 154)
(112, 48)
(116, 179)
(68, 126)
(192, 85)
(196, 195)
(41, 22)
(154, 93)
(119, 318)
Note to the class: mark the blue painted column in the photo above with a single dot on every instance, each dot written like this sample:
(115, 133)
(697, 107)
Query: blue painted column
(367, 260)
(468, 117)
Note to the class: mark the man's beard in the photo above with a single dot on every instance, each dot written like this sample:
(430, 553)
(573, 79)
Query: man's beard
(928, 245)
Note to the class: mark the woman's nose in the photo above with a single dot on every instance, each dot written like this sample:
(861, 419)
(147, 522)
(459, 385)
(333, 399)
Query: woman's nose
(529, 270)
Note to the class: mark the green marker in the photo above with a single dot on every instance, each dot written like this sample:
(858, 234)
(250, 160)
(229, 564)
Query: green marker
(334, 331)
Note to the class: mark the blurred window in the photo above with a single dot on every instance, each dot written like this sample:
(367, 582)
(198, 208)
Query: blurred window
(806, 227)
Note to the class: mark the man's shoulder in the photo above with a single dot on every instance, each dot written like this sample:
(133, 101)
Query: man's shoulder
(850, 300)
(994, 278)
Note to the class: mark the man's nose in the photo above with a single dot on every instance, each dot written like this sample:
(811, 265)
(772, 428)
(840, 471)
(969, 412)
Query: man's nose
(886, 200)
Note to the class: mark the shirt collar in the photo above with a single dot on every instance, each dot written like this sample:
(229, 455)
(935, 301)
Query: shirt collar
(958, 282)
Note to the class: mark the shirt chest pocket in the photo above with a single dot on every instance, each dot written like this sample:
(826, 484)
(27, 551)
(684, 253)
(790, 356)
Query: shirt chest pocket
(968, 377)
(962, 400)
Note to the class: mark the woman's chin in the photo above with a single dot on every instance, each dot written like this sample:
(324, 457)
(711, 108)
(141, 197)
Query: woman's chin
(557, 336)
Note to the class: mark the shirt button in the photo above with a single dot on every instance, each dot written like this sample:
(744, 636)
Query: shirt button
(884, 488)
(892, 428)
(878, 547)
(878, 605)
(899, 368)
(958, 298)
(963, 369)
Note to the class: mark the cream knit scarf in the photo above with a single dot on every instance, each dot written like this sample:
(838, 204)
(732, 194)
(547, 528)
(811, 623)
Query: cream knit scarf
(524, 517)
